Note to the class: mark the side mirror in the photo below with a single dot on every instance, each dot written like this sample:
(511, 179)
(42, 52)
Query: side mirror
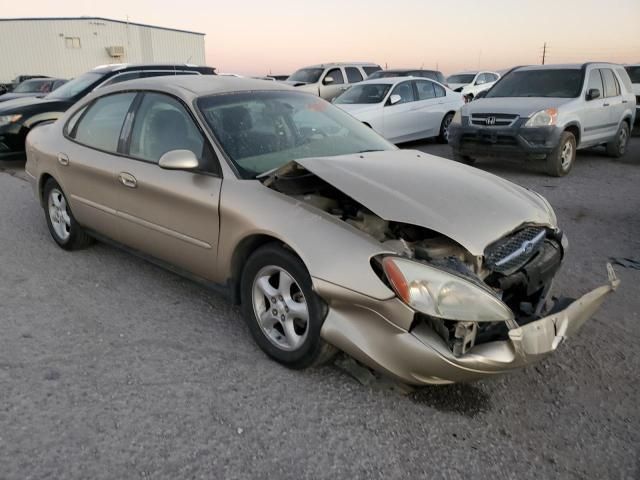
(593, 93)
(481, 94)
(179, 160)
(328, 80)
(393, 99)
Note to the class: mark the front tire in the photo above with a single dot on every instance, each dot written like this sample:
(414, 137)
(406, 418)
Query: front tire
(560, 161)
(618, 146)
(282, 311)
(444, 128)
(63, 227)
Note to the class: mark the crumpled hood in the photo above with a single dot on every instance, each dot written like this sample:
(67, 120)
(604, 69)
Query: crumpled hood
(522, 106)
(468, 205)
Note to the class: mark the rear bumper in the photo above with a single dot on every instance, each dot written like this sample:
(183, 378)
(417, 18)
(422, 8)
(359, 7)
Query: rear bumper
(370, 331)
(512, 141)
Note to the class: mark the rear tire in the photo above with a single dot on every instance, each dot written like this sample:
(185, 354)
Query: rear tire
(281, 309)
(444, 128)
(63, 227)
(560, 161)
(618, 146)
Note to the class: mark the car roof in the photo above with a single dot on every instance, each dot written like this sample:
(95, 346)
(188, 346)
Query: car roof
(189, 87)
(343, 64)
(395, 70)
(564, 66)
(394, 80)
(113, 67)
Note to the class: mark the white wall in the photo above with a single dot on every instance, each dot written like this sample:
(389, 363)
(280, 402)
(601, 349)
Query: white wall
(29, 47)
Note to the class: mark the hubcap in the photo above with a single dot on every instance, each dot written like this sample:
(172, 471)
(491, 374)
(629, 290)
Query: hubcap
(280, 308)
(60, 220)
(445, 132)
(566, 155)
(623, 140)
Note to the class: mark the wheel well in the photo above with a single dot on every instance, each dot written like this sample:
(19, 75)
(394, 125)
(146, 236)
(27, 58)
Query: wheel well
(43, 180)
(240, 255)
(575, 131)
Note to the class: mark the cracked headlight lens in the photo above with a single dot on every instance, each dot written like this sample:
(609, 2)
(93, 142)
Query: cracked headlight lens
(441, 294)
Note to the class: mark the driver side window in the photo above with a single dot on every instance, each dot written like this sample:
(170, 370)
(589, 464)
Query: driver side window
(161, 124)
(405, 91)
(336, 74)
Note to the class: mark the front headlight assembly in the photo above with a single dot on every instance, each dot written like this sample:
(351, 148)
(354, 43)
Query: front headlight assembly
(543, 118)
(441, 294)
(9, 119)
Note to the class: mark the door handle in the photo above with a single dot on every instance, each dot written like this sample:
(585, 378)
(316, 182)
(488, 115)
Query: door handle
(63, 159)
(605, 104)
(128, 180)
(625, 101)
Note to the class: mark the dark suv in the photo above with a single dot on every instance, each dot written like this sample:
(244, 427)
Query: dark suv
(19, 116)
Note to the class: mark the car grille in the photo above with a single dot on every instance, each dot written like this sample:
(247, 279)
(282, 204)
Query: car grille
(512, 252)
(489, 139)
(493, 119)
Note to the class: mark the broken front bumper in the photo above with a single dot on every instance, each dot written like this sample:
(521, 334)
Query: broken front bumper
(377, 334)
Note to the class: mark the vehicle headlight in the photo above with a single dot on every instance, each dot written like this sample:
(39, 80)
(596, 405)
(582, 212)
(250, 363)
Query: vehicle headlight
(457, 118)
(552, 213)
(543, 118)
(441, 294)
(8, 119)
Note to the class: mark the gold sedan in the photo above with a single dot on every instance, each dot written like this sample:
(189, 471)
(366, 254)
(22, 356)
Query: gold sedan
(330, 237)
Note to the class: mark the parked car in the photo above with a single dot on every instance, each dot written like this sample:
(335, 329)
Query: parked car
(634, 74)
(8, 87)
(431, 74)
(470, 84)
(37, 87)
(403, 109)
(19, 116)
(548, 112)
(331, 79)
(326, 234)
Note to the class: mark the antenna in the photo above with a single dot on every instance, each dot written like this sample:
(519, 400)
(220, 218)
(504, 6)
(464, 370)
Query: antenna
(544, 52)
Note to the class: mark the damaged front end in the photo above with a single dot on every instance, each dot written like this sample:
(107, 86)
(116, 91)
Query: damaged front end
(476, 314)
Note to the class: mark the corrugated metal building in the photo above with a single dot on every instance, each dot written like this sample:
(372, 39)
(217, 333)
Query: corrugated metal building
(66, 47)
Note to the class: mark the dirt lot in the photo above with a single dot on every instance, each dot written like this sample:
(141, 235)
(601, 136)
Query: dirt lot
(113, 368)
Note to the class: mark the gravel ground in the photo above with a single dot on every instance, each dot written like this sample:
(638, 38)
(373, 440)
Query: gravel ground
(113, 368)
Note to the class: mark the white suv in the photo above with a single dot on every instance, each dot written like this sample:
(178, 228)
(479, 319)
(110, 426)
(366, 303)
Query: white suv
(469, 84)
(331, 79)
(548, 112)
(634, 75)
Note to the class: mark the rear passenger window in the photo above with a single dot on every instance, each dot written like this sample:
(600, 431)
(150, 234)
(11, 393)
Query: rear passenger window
(370, 70)
(353, 75)
(440, 92)
(611, 87)
(425, 90)
(100, 126)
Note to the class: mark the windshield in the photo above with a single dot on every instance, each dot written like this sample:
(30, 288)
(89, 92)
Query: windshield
(33, 86)
(461, 78)
(261, 131)
(307, 75)
(565, 83)
(388, 74)
(634, 74)
(75, 86)
(367, 93)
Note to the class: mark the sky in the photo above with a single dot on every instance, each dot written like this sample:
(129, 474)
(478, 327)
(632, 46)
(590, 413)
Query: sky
(256, 37)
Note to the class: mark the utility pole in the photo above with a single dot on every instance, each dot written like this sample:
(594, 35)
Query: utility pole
(544, 52)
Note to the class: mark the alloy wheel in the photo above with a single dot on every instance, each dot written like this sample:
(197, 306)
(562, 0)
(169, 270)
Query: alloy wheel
(622, 140)
(566, 155)
(58, 214)
(280, 308)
